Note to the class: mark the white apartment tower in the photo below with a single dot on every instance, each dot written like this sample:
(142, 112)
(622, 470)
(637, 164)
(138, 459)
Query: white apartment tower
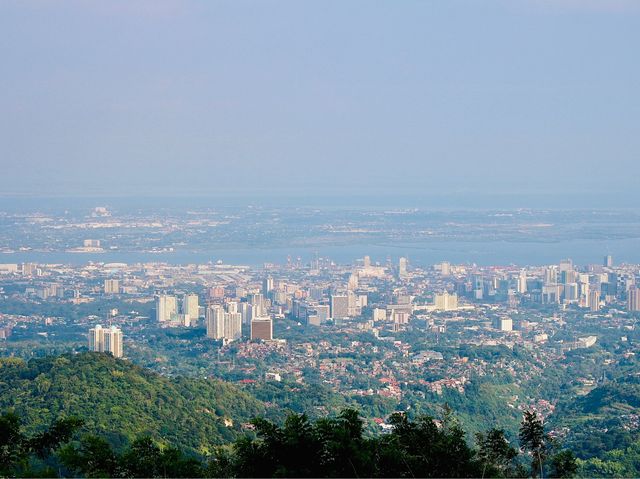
(106, 340)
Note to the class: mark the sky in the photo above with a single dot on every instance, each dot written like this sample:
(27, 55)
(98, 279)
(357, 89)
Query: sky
(346, 97)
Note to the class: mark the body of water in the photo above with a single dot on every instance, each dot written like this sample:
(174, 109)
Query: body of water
(582, 252)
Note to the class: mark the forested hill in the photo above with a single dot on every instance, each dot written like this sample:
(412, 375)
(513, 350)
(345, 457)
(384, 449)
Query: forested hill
(121, 401)
(603, 427)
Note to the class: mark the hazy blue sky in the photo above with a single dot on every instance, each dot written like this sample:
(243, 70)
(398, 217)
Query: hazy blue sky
(178, 97)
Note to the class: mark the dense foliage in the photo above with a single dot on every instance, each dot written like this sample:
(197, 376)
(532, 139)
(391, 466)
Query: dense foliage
(136, 423)
(121, 402)
(604, 427)
(328, 447)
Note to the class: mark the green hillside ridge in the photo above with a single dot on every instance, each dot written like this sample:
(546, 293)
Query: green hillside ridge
(603, 428)
(121, 401)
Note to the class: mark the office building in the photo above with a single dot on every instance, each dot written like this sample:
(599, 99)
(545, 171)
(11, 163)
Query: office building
(262, 328)
(339, 306)
(267, 286)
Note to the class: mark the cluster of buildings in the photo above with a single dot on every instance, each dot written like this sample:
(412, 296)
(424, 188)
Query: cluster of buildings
(463, 305)
(174, 311)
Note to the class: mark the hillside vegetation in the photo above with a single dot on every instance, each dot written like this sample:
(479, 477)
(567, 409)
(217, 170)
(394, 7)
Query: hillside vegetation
(121, 401)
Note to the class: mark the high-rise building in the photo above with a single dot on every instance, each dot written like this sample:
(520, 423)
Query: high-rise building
(379, 314)
(522, 282)
(191, 306)
(504, 324)
(402, 268)
(323, 311)
(214, 318)
(166, 308)
(248, 312)
(633, 299)
(608, 261)
(113, 341)
(257, 300)
(96, 339)
(216, 292)
(339, 306)
(232, 326)
(111, 286)
(446, 302)
(262, 328)
(106, 340)
(550, 294)
(551, 275)
(221, 324)
(571, 291)
(566, 265)
(445, 268)
(267, 286)
(29, 269)
(594, 300)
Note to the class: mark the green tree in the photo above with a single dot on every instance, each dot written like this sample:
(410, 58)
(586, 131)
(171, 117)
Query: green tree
(495, 452)
(92, 457)
(12, 449)
(16, 449)
(534, 440)
(564, 464)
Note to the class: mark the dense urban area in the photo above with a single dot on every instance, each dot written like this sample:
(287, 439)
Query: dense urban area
(380, 335)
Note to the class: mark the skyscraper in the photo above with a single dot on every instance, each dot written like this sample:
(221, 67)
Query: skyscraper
(594, 300)
(402, 268)
(221, 324)
(166, 308)
(633, 299)
(551, 275)
(267, 286)
(191, 306)
(96, 339)
(522, 282)
(113, 341)
(608, 261)
(214, 319)
(257, 300)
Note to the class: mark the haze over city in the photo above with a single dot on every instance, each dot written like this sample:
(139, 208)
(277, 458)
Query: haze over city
(320, 238)
(455, 98)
